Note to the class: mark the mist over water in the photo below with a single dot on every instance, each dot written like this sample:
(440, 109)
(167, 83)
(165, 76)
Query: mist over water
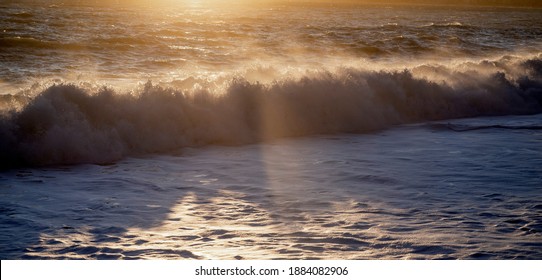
(269, 131)
(111, 42)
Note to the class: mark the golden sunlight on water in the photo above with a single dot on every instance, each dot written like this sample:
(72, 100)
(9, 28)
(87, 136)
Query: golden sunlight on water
(155, 129)
(229, 227)
(332, 197)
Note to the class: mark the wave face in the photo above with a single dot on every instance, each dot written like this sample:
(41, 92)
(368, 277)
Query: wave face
(67, 124)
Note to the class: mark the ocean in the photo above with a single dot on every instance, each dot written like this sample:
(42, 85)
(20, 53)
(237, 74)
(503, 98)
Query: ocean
(276, 131)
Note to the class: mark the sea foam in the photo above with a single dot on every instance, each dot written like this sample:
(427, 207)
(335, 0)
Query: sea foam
(67, 124)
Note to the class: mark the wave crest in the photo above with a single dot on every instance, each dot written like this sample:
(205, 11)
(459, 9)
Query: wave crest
(66, 124)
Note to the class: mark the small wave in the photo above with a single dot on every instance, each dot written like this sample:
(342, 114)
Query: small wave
(21, 42)
(66, 124)
(370, 50)
(23, 15)
(125, 40)
(464, 127)
(32, 43)
(454, 24)
(409, 44)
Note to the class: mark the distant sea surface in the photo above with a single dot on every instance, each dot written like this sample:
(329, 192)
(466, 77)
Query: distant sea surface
(270, 132)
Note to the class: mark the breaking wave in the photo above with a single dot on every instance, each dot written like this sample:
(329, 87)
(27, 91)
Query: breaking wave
(69, 124)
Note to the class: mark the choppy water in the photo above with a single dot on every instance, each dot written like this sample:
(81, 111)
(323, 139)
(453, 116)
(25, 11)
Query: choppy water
(83, 41)
(186, 109)
(420, 191)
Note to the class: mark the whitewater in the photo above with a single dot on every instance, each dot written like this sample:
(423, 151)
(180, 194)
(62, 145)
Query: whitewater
(276, 131)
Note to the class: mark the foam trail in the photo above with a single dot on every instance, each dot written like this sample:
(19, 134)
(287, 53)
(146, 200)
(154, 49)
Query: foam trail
(66, 124)
(463, 128)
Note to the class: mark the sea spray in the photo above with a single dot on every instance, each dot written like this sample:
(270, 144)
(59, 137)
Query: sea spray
(67, 124)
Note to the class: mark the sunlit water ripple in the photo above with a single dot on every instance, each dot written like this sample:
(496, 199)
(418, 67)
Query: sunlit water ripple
(198, 132)
(419, 191)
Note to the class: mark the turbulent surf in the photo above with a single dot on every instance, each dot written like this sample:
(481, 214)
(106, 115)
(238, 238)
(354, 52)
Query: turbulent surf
(234, 130)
